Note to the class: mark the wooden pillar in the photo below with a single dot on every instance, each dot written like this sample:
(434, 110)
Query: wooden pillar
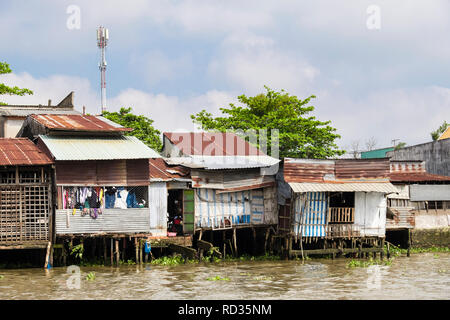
(333, 245)
(136, 249)
(382, 249)
(117, 251)
(388, 254)
(124, 246)
(408, 253)
(200, 235)
(265, 240)
(140, 251)
(254, 248)
(360, 253)
(224, 244)
(112, 252)
(47, 256)
(235, 242)
(105, 251)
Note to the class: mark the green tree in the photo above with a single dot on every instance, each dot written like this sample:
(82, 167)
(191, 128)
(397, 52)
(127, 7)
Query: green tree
(4, 89)
(400, 145)
(436, 134)
(300, 135)
(143, 127)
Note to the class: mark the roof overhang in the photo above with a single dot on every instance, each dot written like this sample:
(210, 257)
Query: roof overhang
(383, 187)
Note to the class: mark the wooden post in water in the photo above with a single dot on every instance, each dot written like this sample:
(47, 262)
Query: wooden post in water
(265, 240)
(224, 244)
(382, 249)
(136, 250)
(254, 249)
(408, 253)
(235, 242)
(112, 252)
(117, 252)
(388, 254)
(141, 244)
(105, 251)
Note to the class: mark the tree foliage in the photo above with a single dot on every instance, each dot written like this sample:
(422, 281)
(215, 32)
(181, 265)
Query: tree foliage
(300, 135)
(400, 145)
(439, 131)
(143, 127)
(4, 89)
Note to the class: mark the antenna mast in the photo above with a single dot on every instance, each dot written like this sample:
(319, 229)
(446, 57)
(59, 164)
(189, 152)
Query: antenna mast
(102, 42)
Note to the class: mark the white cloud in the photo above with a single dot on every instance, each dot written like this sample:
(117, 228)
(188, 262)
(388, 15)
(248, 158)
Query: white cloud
(249, 61)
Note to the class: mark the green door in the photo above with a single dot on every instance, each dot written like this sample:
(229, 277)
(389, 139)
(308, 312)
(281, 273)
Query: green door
(188, 211)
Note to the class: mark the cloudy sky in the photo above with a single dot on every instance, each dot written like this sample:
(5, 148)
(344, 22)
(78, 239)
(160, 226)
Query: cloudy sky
(170, 59)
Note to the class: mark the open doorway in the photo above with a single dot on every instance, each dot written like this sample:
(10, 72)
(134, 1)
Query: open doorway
(175, 212)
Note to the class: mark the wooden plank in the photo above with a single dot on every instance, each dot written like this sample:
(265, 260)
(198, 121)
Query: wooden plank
(185, 251)
(205, 245)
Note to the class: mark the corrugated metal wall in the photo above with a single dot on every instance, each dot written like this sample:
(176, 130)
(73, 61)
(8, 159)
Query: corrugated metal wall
(136, 220)
(157, 198)
(241, 207)
(310, 214)
(370, 213)
(103, 173)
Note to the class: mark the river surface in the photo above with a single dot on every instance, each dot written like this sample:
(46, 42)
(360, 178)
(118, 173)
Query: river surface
(422, 276)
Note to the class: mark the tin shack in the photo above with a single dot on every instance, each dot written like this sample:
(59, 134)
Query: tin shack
(423, 201)
(101, 180)
(336, 206)
(25, 195)
(233, 188)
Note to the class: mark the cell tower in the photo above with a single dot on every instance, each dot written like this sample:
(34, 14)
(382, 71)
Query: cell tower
(102, 42)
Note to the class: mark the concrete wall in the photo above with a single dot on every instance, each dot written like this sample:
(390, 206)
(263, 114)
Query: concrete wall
(435, 153)
(432, 219)
(430, 238)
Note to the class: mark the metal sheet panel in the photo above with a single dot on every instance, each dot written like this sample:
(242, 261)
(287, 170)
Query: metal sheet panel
(429, 192)
(382, 187)
(370, 214)
(77, 122)
(307, 170)
(224, 162)
(362, 168)
(157, 201)
(21, 151)
(123, 221)
(98, 148)
(310, 212)
(235, 180)
(137, 171)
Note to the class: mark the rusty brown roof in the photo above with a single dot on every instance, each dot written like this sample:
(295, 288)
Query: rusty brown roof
(78, 123)
(336, 171)
(212, 144)
(161, 171)
(21, 151)
(416, 177)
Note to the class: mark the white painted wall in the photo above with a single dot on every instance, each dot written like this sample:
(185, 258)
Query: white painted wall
(12, 127)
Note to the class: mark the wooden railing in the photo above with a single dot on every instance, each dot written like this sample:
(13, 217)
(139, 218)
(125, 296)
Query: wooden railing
(341, 215)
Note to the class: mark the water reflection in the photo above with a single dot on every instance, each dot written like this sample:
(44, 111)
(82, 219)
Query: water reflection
(423, 276)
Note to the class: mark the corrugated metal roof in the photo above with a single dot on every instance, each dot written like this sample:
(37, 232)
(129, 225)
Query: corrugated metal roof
(318, 170)
(212, 144)
(98, 148)
(23, 111)
(383, 187)
(160, 171)
(77, 123)
(21, 151)
(224, 162)
(416, 177)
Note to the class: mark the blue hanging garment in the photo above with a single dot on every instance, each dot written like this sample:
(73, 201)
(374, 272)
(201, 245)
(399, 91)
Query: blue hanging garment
(148, 247)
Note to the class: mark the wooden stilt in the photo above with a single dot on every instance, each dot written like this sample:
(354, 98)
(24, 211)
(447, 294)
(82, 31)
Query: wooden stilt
(200, 235)
(388, 254)
(382, 249)
(235, 242)
(105, 251)
(47, 256)
(224, 244)
(112, 252)
(141, 244)
(254, 248)
(136, 250)
(408, 253)
(124, 246)
(265, 240)
(117, 252)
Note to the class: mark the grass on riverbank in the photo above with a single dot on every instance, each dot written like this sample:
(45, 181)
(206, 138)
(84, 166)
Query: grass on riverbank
(367, 263)
(396, 251)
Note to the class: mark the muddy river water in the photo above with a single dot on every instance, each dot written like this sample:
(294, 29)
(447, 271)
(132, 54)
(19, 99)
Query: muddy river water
(422, 276)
